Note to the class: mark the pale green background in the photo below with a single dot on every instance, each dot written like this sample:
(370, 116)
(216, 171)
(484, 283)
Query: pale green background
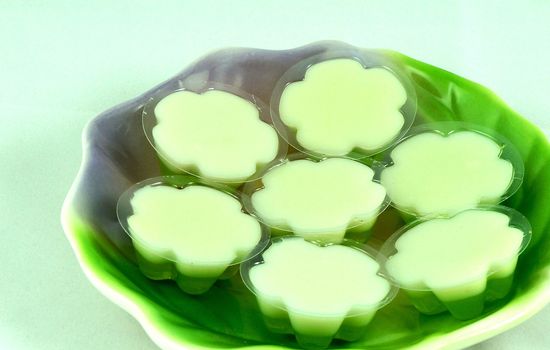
(62, 63)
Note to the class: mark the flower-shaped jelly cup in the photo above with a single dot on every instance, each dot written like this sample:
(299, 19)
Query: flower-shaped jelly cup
(364, 134)
(224, 134)
(290, 314)
(453, 265)
(447, 167)
(160, 253)
(323, 199)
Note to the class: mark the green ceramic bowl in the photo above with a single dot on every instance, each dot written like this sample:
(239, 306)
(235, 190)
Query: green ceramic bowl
(117, 155)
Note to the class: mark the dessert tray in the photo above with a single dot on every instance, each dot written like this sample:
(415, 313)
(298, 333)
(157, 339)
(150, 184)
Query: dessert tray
(118, 154)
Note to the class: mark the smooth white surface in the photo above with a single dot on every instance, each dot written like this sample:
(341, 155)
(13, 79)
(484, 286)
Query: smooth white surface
(340, 105)
(453, 257)
(200, 228)
(217, 133)
(303, 276)
(318, 286)
(441, 175)
(319, 200)
(62, 63)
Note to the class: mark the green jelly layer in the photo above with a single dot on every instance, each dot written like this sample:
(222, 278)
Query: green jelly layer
(462, 309)
(166, 270)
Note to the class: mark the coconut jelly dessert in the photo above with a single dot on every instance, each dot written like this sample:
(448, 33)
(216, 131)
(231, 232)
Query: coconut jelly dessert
(439, 175)
(192, 233)
(458, 263)
(341, 106)
(318, 200)
(317, 292)
(215, 134)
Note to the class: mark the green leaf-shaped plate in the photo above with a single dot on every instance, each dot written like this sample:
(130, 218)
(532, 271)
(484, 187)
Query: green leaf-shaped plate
(117, 154)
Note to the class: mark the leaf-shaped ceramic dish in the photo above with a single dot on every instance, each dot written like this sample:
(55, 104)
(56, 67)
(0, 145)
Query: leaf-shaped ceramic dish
(117, 154)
